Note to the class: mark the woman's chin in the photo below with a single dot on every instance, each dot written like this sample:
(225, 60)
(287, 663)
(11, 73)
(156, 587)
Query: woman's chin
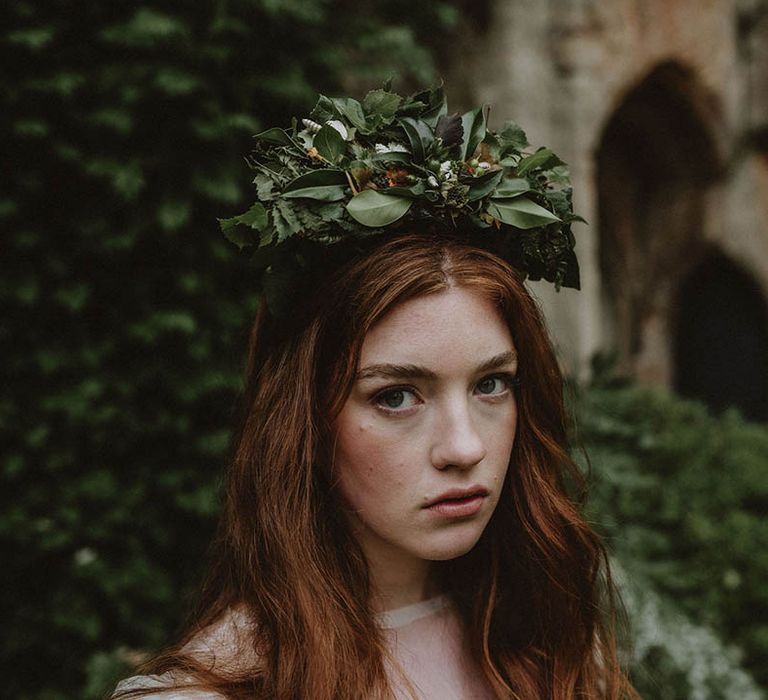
(453, 547)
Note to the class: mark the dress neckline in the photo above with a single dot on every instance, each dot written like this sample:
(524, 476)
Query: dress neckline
(399, 617)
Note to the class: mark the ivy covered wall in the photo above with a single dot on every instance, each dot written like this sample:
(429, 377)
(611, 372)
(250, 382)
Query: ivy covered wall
(124, 311)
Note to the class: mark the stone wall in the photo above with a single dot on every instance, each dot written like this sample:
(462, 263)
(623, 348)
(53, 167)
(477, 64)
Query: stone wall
(660, 107)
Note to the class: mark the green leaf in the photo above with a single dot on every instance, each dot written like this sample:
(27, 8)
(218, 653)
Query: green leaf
(329, 144)
(543, 158)
(474, 124)
(484, 184)
(255, 217)
(351, 110)
(521, 213)
(325, 193)
(264, 187)
(392, 156)
(232, 228)
(275, 136)
(511, 135)
(285, 220)
(317, 178)
(413, 192)
(374, 209)
(512, 187)
(419, 135)
(323, 110)
(380, 103)
(236, 234)
(326, 185)
(438, 106)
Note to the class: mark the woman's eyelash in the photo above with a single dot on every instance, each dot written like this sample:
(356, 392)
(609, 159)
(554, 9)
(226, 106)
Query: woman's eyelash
(510, 382)
(398, 396)
(392, 398)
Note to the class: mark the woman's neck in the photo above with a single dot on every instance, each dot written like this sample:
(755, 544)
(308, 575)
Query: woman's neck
(397, 581)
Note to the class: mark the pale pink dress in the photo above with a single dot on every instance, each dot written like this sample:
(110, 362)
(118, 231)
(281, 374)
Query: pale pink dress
(424, 639)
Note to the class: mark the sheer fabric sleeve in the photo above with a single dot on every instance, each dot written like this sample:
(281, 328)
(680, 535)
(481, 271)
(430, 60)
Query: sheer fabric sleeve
(167, 688)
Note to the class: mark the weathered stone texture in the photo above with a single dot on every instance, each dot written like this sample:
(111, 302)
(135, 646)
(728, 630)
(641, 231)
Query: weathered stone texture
(577, 73)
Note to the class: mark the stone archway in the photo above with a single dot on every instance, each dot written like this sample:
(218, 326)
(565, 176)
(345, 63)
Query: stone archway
(655, 161)
(720, 345)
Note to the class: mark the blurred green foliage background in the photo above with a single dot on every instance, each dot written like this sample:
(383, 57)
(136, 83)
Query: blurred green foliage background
(123, 322)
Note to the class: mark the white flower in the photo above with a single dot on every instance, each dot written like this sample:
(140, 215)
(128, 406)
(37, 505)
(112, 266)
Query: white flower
(310, 126)
(336, 124)
(482, 164)
(391, 147)
(432, 180)
(447, 173)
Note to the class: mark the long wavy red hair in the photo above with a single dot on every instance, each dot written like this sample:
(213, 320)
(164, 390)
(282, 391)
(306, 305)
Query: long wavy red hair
(534, 595)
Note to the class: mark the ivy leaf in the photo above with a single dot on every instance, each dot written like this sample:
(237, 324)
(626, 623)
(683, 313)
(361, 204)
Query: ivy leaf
(543, 158)
(233, 228)
(374, 209)
(512, 136)
(351, 109)
(521, 213)
(474, 124)
(234, 233)
(381, 104)
(329, 143)
(255, 217)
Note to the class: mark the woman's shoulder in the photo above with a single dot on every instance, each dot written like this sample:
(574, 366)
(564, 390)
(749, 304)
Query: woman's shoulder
(224, 647)
(168, 687)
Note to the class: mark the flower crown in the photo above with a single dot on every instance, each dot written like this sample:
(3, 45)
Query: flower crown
(389, 163)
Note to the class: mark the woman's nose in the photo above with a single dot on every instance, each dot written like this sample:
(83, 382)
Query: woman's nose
(456, 442)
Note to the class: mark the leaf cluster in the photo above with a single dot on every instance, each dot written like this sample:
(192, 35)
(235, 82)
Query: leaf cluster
(681, 497)
(124, 312)
(387, 163)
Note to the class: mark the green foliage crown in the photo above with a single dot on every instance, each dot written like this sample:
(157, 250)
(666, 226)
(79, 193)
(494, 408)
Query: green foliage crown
(390, 163)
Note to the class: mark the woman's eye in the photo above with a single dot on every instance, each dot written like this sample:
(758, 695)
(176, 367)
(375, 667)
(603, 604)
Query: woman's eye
(396, 399)
(491, 386)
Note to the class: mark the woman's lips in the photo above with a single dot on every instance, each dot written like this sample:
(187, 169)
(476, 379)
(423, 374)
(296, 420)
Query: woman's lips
(458, 503)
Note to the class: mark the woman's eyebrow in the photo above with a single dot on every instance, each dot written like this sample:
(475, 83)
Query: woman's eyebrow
(392, 371)
(388, 371)
(503, 358)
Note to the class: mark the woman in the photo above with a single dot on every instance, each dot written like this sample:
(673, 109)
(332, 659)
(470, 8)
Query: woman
(396, 522)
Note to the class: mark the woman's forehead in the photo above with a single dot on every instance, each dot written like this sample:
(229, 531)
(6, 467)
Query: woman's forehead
(457, 323)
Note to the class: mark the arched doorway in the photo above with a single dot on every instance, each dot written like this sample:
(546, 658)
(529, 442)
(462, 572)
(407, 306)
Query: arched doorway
(721, 339)
(655, 161)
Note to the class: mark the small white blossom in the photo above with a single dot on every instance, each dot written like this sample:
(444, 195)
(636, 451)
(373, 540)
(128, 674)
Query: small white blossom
(482, 164)
(336, 124)
(311, 127)
(445, 166)
(432, 180)
(391, 147)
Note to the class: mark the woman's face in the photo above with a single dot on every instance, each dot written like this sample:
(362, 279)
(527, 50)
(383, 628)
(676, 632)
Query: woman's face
(424, 439)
